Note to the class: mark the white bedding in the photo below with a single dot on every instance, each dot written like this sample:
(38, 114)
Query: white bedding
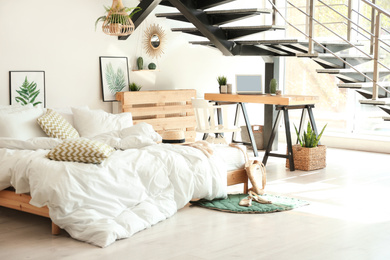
(130, 191)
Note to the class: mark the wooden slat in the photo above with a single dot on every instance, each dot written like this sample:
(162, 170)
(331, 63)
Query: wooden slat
(160, 110)
(155, 96)
(170, 123)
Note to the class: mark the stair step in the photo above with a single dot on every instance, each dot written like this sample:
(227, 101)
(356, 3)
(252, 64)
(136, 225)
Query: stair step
(233, 32)
(368, 94)
(385, 108)
(378, 102)
(351, 76)
(332, 46)
(282, 47)
(202, 4)
(220, 17)
(328, 60)
(361, 85)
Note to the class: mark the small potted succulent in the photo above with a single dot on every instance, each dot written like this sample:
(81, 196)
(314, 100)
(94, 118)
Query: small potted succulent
(273, 85)
(222, 81)
(308, 154)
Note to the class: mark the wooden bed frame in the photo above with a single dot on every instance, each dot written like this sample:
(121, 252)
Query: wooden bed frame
(164, 110)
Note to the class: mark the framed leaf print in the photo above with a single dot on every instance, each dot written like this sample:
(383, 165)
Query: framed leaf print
(114, 73)
(27, 87)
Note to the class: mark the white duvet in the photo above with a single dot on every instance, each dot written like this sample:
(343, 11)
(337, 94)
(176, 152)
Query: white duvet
(130, 191)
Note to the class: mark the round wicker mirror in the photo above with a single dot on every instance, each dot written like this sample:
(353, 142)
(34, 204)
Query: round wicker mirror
(154, 41)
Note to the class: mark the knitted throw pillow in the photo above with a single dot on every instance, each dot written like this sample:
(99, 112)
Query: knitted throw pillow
(81, 150)
(55, 125)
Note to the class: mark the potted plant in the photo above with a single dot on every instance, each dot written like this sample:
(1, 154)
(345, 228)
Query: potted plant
(134, 87)
(222, 81)
(273, 86)
(308, 155)
(117, 20)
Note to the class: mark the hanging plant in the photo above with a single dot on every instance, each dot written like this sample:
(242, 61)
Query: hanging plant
(118, 19)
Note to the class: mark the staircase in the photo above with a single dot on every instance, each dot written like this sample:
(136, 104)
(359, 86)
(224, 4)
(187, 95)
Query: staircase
(359, 66)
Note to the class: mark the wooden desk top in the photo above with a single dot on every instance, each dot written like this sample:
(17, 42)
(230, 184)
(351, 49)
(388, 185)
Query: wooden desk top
(287, 100)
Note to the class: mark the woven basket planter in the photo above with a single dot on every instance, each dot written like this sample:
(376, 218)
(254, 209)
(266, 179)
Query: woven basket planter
(308, 159)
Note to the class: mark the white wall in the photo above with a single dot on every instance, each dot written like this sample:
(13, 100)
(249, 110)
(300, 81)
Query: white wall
(59, 37)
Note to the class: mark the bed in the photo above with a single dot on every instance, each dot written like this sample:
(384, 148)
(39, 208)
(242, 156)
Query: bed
(167, 189)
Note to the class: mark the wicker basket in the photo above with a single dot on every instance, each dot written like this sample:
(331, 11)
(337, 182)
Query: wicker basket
(308, 159)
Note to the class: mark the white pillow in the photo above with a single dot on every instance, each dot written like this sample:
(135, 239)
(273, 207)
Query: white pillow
(21, 124)
(14, 108)
(90, 123)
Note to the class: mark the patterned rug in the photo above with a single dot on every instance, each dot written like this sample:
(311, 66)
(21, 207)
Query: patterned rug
(230, 204)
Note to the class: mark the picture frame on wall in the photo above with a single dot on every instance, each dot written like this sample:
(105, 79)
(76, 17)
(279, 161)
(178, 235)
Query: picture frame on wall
(27, 87)
(114, 72)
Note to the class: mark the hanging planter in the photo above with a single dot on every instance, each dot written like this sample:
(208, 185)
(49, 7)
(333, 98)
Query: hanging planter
(118, 22)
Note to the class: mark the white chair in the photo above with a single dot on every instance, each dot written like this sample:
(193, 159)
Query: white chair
(207, 120)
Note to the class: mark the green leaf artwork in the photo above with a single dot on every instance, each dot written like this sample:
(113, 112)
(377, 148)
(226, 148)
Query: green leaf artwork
(115, 80)
(28, 93)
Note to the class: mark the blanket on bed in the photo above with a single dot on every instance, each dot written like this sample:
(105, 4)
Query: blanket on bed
(136, 187)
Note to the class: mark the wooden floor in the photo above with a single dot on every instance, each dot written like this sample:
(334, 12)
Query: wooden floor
(348, 218)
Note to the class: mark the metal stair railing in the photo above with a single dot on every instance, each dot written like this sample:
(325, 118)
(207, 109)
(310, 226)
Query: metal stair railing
(374, 35)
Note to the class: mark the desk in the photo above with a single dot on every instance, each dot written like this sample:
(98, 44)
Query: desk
(282, 103)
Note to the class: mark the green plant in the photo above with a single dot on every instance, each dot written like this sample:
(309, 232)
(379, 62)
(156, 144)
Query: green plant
(273, 86)
(152, 66)
(309, 139)
(140, 63)
(28, 93)
(115, 17)
(134, 87)
(221, 80)
(115, 80)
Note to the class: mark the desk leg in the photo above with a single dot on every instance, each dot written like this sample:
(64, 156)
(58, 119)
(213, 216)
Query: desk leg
(236, 118)
(288, 140)
(271, 138)
(249, 127)
(301, 126)
(312, 121)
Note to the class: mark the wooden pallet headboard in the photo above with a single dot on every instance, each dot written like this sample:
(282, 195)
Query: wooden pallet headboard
(163, 109)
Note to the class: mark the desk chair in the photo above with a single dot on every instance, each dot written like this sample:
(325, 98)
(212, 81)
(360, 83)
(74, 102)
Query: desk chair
(207, 121)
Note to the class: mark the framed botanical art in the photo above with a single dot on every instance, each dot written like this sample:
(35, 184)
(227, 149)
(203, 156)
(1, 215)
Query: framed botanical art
(27, 87)
(114, 73)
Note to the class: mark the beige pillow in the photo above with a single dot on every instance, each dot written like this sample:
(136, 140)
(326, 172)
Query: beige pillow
(81, 150)
(56, 125)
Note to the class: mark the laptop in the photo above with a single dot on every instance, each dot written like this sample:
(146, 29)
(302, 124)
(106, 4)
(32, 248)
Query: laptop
(249, 85)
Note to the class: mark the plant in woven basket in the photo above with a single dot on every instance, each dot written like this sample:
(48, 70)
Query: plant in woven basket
(134, 87)
(28, 93)
(309, 139)
(308, 155)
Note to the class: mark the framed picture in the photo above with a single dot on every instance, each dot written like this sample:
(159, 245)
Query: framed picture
(114, 73)
(27, 87)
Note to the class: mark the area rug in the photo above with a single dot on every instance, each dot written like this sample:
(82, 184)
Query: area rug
(230, 204)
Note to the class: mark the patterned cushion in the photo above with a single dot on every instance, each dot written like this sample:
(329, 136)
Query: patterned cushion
(56, 126)
(81, 150)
